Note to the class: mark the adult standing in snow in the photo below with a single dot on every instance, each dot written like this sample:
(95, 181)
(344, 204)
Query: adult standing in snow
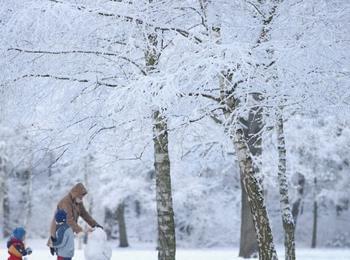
(73, 205)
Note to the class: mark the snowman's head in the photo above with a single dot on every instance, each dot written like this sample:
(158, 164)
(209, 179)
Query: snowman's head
(98, 235)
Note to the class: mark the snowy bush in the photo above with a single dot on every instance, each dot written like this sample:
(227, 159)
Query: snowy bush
(341, 240)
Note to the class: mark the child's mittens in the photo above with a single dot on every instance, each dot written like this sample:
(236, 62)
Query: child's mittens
(29, 250)
(52, 251)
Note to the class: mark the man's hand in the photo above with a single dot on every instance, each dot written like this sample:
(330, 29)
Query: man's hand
(98, 226)
(52, 251)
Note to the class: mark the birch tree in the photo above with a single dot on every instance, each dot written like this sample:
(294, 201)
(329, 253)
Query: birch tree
(287, 216)
(166, 225)
(268, 66)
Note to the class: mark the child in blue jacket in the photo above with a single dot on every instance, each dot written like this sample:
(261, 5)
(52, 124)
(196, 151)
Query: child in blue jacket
(63, 242)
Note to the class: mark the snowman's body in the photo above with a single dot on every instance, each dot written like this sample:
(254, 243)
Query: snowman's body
(97, 247)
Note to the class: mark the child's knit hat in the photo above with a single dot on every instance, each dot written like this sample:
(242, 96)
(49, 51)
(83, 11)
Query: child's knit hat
(19, 233)
(61, 216)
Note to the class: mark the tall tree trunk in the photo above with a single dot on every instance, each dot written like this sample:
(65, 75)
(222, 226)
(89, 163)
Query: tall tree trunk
(3, 191)
(166, 224)
(315, 218)
(165, 213)
(255, 198)
(108, 223)
(287, 217)
(253, 129)
(123, 238)
(248, 245)
(248, 170)
(26, 178)
(6, 211)
(300, 193)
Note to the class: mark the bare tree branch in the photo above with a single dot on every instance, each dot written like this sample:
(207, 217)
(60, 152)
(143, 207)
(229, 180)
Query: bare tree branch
(82, 52)
(137, 21)
(67, 79)
(256, 8)
(201, 95)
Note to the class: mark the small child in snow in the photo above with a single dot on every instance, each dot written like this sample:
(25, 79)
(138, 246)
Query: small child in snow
(15, 245)
(97, 247)
(63, 242)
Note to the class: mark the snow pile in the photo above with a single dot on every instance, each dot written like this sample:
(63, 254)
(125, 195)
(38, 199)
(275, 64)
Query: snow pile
(97, 247)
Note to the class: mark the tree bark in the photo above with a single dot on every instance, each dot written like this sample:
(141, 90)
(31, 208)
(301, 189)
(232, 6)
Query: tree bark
(315, 218)
(108, 223)
(3, 196)
(6, 208)
(166, 224)
(123, 238)
(255, 198)
(253, 129)
(248, 245)
(300, 193)
(165, 213)
(248, 170)
(287, 217)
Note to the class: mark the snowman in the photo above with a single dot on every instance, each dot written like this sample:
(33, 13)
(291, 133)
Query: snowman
(97, 247)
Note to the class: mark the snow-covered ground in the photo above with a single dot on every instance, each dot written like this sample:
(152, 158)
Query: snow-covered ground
(140, 252)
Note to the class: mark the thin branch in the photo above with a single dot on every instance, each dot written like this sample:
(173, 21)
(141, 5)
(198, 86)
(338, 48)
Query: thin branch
(181, 32)
(67, 79)
(81, 52)
(99, 131)
(137, 21)
(137, 157)
(122, 1)
(59, 157)
(257, 9)
(201, 95)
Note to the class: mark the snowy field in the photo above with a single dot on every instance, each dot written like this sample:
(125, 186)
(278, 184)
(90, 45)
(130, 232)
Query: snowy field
(40, 252)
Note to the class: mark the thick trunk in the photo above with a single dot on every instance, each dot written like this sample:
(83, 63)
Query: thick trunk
(247, 142)
(108, 223)
(166, 226)
(287, 217)
(165, 214)
(253, 128)
(123, 238)
(255, 198)
(248, 246)
(297, 202)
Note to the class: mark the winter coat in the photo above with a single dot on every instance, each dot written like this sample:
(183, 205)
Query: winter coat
(16, 249)
(74, 210)
(64, 241)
